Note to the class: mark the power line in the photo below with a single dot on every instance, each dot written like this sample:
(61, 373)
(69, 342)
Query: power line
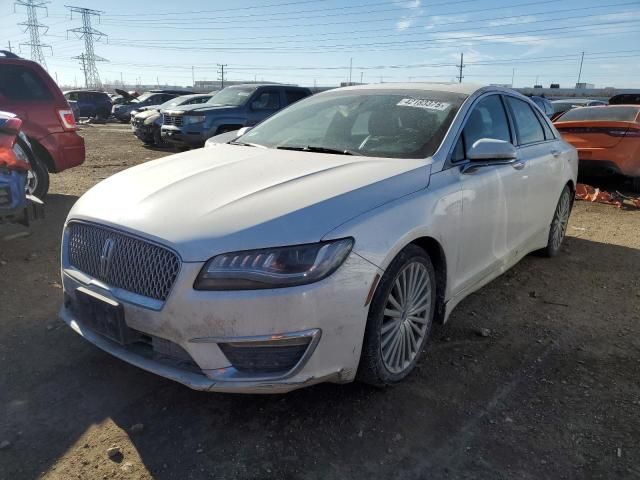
(342, 33)
(33, 26)
(88, 59)
(223, 41)
(269, 25)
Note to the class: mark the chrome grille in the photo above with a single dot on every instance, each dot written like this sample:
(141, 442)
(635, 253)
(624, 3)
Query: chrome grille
(175, 120)
(122, 261)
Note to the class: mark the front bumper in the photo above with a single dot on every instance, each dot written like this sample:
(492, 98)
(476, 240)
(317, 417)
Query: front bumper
(143, 132)
(184, 136)
(331, 312)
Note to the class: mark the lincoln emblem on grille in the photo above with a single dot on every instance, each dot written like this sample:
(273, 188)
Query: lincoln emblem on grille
(105, 256)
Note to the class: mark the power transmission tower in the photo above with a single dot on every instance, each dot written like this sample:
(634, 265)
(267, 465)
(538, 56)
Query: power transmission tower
(461, 66)
(221, 72)
(88, 59)
(580, 71)
(34, 28)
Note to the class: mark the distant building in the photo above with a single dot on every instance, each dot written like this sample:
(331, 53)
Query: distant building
(583, 86)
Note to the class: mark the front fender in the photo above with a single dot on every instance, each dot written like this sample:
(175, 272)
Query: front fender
(435, 212)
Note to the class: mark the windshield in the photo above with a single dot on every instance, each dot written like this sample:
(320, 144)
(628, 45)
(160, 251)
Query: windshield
(232, 96)
(612, 114)
(381, 123)
(174, 102)
(142, 97)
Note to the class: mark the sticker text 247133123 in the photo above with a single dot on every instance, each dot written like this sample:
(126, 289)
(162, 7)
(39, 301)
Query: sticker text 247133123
(424, 103)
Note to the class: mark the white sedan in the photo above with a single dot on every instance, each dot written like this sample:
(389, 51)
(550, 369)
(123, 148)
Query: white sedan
(322, 244)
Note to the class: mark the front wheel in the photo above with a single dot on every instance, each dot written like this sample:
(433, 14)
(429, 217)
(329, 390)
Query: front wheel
(559, 223)
(400, 318)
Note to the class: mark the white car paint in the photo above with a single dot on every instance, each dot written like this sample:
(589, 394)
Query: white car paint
(229, 198)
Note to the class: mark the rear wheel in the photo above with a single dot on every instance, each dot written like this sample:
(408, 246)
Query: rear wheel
(38, 176)
(559, 223)
(400, 319)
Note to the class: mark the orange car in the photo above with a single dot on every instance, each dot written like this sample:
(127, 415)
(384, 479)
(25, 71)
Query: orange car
(607, 139)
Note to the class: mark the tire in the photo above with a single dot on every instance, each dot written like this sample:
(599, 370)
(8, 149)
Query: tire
(559, 223)
(388, 323)
(157, 139)
(38, 176)
(635, 184)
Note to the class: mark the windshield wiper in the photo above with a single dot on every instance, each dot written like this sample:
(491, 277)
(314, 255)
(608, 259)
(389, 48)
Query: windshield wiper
(245, 144)
(311, 148)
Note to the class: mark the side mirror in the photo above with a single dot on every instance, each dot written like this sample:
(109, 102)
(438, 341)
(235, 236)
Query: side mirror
(242, 131)
(487, 149)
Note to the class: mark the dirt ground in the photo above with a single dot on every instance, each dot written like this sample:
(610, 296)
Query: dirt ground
(552, 392)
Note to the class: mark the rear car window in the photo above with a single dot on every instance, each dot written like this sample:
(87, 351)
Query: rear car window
(21, 83)
(615, 114)
(528, 126)
(294, 95)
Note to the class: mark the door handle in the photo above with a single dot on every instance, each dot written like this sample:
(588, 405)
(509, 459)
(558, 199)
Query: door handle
(555, 153)
(518, 165)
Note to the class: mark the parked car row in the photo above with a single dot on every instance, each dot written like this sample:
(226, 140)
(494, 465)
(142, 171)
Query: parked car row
(188, 123)
(146, 122)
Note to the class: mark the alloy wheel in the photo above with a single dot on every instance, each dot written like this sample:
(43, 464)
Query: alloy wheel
(406, 317)
(560, 220)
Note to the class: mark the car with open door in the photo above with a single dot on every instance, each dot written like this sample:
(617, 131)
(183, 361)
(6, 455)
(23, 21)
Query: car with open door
(320, 245)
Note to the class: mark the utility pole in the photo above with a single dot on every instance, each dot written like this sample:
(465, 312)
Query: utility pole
(461, 66)
(513, 76)
(193, 77)
(580, 71)
(350, 69)
(361, 74)
(221, 72)
(121, 80)
(9, 47)
(34, 27)
(88, 33)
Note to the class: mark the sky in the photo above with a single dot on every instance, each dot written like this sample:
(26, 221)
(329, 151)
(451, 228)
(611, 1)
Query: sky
(314, 42)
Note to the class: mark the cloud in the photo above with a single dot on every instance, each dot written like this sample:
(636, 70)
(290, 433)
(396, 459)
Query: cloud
(411, 4)
(404, 24)
(512, 21)
(471, 38)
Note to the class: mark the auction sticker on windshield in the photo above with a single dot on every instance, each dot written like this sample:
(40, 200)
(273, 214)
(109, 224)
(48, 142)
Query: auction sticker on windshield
(424, 103)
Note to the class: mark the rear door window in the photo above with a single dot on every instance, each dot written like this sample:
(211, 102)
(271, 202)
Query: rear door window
(268, 100)
(528, 128)
(21, 83)
(294, 95)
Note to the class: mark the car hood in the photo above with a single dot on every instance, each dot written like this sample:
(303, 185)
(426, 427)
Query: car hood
(229, 197)
(201, 108)
(147, 113)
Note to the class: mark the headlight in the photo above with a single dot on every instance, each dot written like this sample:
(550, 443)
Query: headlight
(273, 267)
(189, 119)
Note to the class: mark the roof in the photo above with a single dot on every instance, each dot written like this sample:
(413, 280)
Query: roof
(464, 88)
(84, 90)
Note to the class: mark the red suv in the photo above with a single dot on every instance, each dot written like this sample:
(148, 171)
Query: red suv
(27, 90)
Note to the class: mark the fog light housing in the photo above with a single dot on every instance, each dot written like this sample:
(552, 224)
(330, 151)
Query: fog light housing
(275, 355)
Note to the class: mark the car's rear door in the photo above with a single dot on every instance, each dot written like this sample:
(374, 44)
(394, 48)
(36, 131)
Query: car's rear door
(491, 205)
(25, 91)
(541, 175)
(264, 103)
